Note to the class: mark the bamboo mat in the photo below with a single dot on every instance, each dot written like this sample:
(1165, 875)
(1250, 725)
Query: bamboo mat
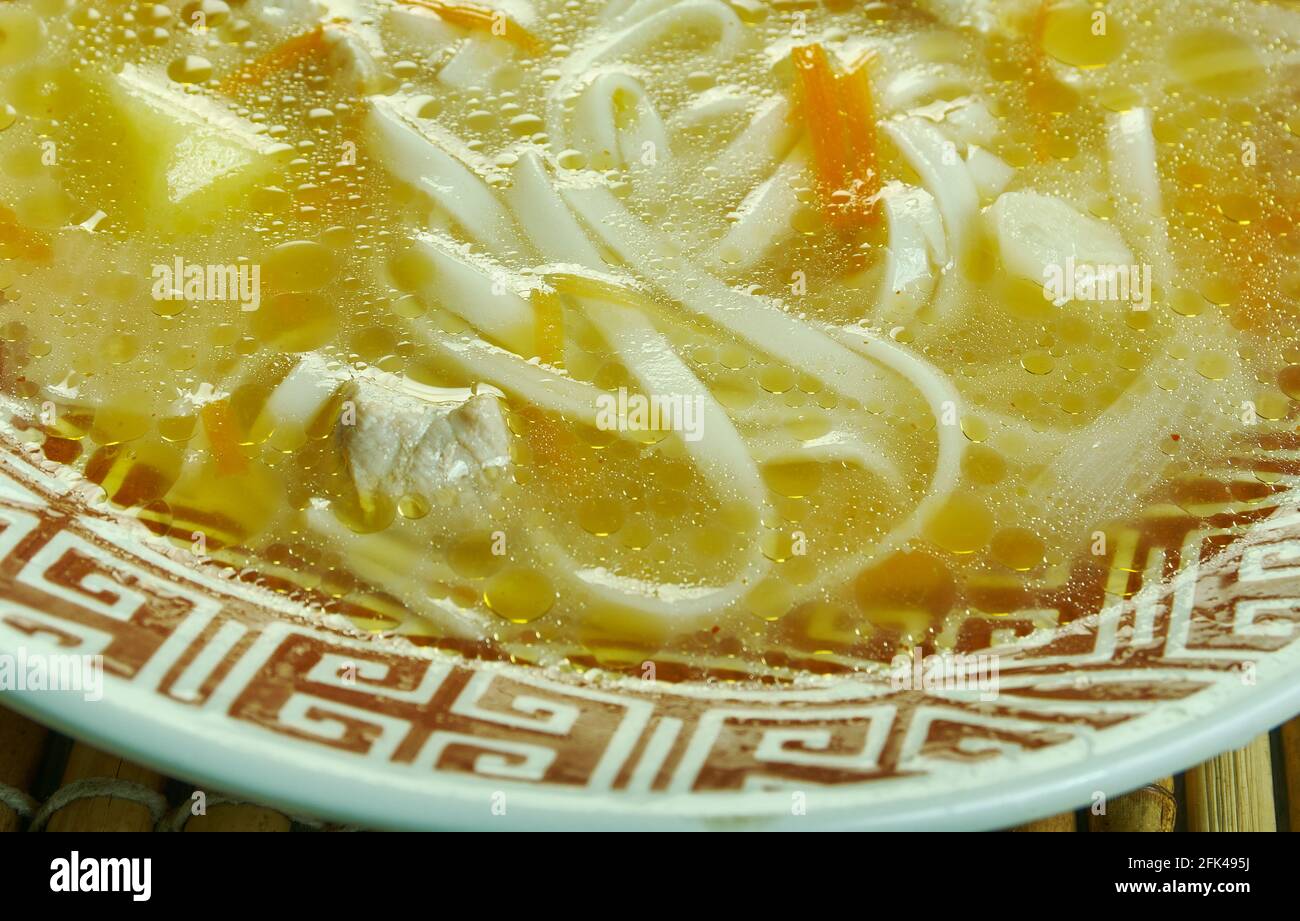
(49, 782)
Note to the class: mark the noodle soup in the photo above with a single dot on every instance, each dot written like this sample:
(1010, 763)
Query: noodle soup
(740, 338)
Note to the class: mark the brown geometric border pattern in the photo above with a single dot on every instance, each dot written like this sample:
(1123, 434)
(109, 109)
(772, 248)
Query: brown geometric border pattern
(202, 641)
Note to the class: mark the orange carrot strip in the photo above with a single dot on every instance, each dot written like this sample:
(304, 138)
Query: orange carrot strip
(280, 58)
(819, 96)
(223, 435)
(549, 313)
(479, 18)
(840, 116)
(860, 124)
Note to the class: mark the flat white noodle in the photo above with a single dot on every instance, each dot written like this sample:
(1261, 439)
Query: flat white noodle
(478, 289)
(1135, 177)
(944, 403)
(545, 218)
(945, 174)
(757, 320)
(756, 151)
(764, 219)
(423, 154)
(720, 454)
(375, 557)
(617, 126)
(584, 64)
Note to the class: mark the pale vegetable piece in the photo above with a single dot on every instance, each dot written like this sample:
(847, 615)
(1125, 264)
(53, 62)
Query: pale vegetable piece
(194, 154)
(419, 27)
(917, 251)
(969, 121)
(990, 173)
(1038, 234)
(362, 48)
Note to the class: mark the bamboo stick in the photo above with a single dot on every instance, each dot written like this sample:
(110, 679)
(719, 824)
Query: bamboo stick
(22, 743)
(1233, 792)
(106, 812)
(1063, 822)
(1152, 808)
(1291, 766)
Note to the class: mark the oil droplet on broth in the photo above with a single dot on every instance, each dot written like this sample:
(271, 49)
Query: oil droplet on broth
(1081, 36)
(776, 379)
(983, 465)
(1214, 366)
(1271, 406)
(412, 507)
(975, 429)
(177, 428)
(1187, 303)
(302, 265)
(770, 600)
(1288, 379)
(793, 479)
(780, 546)
(21, 35)
(475, 556)
(961, 526)
(296, 321)
(1038, 362)
(519, 594)
(190, 69)
(600, 517)
(1018, 549)
(903, 586)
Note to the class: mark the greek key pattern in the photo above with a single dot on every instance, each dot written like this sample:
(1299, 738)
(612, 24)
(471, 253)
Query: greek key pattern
(1205, 610)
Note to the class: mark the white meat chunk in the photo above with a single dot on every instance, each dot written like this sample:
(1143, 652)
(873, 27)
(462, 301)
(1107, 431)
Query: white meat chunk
(412, 440)
(399, 437)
